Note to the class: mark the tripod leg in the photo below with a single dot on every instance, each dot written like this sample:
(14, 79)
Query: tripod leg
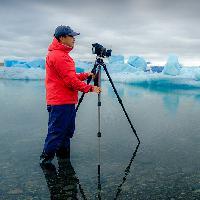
(120, 101)
(99, 132)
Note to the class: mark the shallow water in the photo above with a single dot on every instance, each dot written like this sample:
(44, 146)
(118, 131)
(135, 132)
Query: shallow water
(166, 166)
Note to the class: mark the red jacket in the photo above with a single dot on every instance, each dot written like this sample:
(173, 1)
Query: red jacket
(62, 82)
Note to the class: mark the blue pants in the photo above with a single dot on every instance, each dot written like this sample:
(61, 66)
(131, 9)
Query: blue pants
(61, 126)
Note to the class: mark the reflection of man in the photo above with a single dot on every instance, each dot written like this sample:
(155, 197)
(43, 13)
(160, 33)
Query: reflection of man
(63, 183)
(62, 86)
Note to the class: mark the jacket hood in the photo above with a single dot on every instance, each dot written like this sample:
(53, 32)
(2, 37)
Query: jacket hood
(55, 45)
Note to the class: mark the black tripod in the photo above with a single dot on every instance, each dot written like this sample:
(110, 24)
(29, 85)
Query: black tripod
(99, 63)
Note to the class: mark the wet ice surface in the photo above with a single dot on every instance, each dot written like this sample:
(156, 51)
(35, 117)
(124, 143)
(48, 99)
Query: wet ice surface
(167, 161)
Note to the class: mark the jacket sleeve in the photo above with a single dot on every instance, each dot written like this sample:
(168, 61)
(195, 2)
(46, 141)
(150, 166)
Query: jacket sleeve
(82, 76)
(66, 70)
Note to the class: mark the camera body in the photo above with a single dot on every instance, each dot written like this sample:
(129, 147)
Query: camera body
(100, 50)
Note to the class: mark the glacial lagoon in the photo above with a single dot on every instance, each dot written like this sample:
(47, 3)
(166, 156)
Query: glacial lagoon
(166, 165)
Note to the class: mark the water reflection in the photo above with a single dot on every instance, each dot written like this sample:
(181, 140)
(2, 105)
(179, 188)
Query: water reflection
(126, 172)
(120, 90)
(169, 96)
(171, 102)
(62, 183)
(197, 97)
(163, 168)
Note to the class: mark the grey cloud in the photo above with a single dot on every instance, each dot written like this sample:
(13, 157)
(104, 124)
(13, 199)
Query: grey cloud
(152, 28)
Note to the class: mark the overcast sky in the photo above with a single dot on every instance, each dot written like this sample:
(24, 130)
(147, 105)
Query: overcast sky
(149, 28)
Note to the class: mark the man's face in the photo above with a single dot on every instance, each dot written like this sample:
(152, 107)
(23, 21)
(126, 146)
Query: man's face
(68, 40)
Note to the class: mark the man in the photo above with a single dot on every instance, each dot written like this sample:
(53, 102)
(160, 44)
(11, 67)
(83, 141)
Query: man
(62, 86)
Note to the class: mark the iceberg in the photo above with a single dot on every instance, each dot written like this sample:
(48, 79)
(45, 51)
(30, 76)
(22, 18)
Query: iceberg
(119, 68)
(157, 69)
(116, 59)
(38, 63)
(10, 63)
(172, 66)
(83, 66)
(29, 70)
(19, 73)
(20, 65)
(187, 78)
(79, 70)
(137, 62)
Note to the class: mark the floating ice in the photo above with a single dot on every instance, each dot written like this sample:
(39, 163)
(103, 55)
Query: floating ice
(17, 73)
(172, 66)
(20, 65)
(10, 63)
(188, 77)
(28, 70)
(157, 69)
(137, 62)
(116, 59)
(79, 70)
(186, 80)
(119, 68)
(38, 63)
(83, 66)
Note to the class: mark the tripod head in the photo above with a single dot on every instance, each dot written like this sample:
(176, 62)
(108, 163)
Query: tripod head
(101, 51)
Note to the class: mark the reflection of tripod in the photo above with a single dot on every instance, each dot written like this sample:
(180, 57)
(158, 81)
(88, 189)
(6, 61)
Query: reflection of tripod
(97, 70)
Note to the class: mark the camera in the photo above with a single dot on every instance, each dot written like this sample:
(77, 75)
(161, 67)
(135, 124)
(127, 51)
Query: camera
(100, 50)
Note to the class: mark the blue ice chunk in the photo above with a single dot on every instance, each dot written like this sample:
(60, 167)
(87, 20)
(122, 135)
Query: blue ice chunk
(137, 62)
(116, 59)
(38, 63)
(79, 70)
(85, 65)
(21, 65)
(11, 62)
(117, 68)
(172, 67)
(157, 69)
(19, 73)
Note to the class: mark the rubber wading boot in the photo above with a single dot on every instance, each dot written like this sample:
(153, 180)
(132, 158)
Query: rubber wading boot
(63, 154)
(45, 159)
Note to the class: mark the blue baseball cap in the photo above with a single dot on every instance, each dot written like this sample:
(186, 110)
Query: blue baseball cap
(64, 30)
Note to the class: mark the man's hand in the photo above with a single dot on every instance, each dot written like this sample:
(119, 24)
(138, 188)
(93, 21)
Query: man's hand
(91, 74)
(97, 89)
